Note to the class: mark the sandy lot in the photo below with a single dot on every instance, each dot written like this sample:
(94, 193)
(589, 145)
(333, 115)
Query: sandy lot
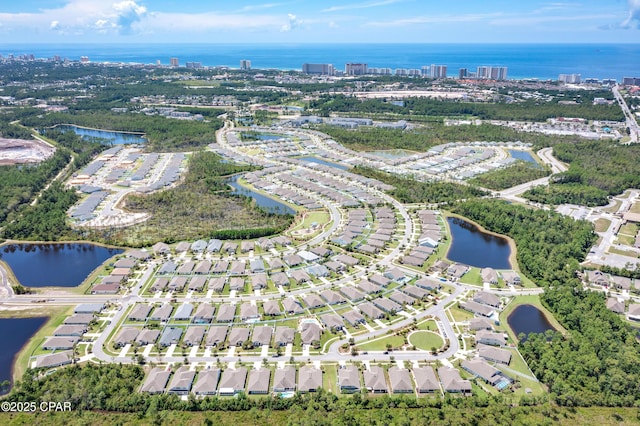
(18, 151)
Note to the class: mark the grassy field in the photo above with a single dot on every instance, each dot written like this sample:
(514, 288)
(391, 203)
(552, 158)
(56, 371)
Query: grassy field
(623, 252)
(635, 208)
(426, 340)
(381, 344)
(602, 224)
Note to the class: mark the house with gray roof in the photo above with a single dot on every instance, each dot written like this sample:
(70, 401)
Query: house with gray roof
(79, 319)
(379, 280)
(125, 336)
(248, 311)
(156, 381)
(236, 284)
(186, 267)
(280, 279)
(284, 336)
(426, 381)
(387, 305)
(320, 251)
(614, 305)
(332, 321)
(332, 297)
(215, 335)
(480, 323)
(272, 308)
(494, 354)
(226, 313)
(147, 336)
(168, 267)
(396, 275)
(261, 335)
(489, 275)
(259, 382)
(300, 276)
(197, 283)
(402, 298)
(621, 283)
(292, 306)
(54, 360)
(310, 332)
(368, 288)
(161, 248)
(140, 312)
(370, 310)
(275, 263)
(160, 284)
(183, 313)
(351, 293)
(181, 381)
(70, 330)
(477, 308)
(162, 313)
(238, 335)
(232, 381)
(259, 281)
(194, 335)
(284, 379)
(374, 380)
(487, 298)
(177, 283)
(170, 336)
(217, 284)
(214, 246)
(428, 284)
(203, 267)
(293, 260)
(415, 292)
(347, 260)
(511, 278)
(313, 301)
(204, 314)
(354, 318)
(60, 343)
(207, 383)
(318, 270)
(335, 266)
(238, 267)
(452, 382)
(488, 373)
(309, 378)
(246, 246)
(230, 247)
(256, 265)
(349, 379)
(220, 267)
(492, 338)
(400, 380)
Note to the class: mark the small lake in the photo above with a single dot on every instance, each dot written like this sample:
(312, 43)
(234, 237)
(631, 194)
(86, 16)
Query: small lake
(317, 160)
(524, 156)
(114, 138)
(473, 247)
(267, 203)
(528, 319)
(14, 334)
(58, 265)
(392, 154)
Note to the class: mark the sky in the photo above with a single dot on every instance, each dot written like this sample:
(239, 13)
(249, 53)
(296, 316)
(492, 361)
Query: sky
(312, 21)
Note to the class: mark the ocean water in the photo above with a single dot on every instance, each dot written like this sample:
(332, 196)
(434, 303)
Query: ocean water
(544, 61)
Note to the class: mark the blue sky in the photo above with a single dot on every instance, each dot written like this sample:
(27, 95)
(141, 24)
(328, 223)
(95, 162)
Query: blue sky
(311, 21)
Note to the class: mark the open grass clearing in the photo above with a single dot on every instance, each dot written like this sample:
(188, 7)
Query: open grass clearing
(426, 340)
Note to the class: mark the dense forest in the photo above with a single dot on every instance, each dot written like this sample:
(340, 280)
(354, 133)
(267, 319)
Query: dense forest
(596, 169)
(598, 362)
(519, 173)
(408, 190)
(515, 111)
(199, 207)
(425, 136)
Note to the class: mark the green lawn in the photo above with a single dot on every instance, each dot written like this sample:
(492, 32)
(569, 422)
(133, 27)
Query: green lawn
(602, 224)
(426, 340)
(381, 344)
(428, 325)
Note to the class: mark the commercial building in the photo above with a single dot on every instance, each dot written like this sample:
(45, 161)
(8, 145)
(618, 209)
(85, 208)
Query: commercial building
(245, 64)
(174, 62)
(570, 78)
(319, 69)
(355, 69)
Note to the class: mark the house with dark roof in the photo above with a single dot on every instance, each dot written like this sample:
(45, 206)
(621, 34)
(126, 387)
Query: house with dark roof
(156, 381)
(309, 378)
(349, 379)
(232, 381)
(374, 380)
(284, 379)
(426, 381)
(400, 380)
(181, 381)
(259, 382)
(207, 383)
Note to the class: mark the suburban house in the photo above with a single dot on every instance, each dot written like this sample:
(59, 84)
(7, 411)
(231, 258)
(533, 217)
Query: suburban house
(452, 382)
(309, 378)
(156, 381)
(284, 379)
(400, 380)
(259, 382)
(207, 383)
(349, 379)
(488, 373)
(232, 381)
(493, 354)
(374, 380)
(426, 381)
(182, 381)
(492, 338)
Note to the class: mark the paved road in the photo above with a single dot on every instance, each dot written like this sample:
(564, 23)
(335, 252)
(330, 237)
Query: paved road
(632, 123)
(4, 283)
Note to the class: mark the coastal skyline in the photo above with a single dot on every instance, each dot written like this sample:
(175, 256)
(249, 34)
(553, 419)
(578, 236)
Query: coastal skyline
(377, 21)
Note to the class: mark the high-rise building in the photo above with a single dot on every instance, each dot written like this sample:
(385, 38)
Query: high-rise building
(355, 69)
(194, 65)
(570, 78)
(245, 64)
(491, 73)
(438, 71)
(84, 59)
(463, 73)
(424, 71)
(631, 81)
(174, 62)
(320, 69)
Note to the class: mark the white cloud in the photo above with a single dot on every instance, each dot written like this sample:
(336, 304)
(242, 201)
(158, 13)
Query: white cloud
(54, 25)
(365, 5)
(292, 22)
(251, 8)
(633, 20)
